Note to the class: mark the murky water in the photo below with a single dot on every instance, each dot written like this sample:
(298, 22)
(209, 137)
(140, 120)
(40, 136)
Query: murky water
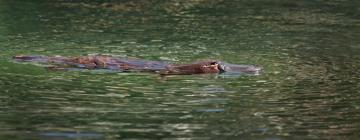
(309, 89)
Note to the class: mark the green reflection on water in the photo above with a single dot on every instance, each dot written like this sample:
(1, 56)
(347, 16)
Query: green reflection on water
(308, 90)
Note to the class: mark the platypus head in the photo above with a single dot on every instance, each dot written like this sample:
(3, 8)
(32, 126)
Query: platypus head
(210, 67)
(195, 68)
(216, 67)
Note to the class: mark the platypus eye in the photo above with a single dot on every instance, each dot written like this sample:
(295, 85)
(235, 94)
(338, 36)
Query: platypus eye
(221, 66)
(213, 63)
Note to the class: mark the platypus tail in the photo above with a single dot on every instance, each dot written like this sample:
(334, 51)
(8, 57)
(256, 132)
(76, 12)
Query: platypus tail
(42, 59)
(31, 58)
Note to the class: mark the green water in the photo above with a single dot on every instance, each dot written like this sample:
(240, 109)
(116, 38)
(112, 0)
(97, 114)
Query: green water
(309, 89)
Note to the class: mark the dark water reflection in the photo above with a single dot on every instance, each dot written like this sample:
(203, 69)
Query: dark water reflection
(309, 88)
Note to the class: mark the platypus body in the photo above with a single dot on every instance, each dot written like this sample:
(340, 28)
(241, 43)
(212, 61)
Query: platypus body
(139, 65)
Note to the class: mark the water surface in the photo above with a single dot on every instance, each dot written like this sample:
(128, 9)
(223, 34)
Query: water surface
(309, 88)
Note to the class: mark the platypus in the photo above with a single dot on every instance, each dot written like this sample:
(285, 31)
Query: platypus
(137, 65)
